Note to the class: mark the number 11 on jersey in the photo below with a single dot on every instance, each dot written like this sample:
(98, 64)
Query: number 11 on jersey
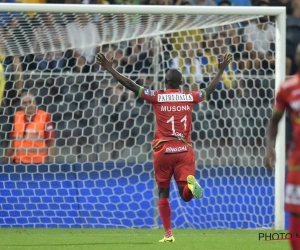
(171, 120)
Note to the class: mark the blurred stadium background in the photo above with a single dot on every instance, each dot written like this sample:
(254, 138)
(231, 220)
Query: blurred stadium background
(104, 133)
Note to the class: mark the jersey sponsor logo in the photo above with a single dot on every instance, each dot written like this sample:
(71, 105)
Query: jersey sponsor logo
(147, 91)
(200, 94)
(175, 108)
(295, 105)
(174, 150)
(175, 98)
(177, 134)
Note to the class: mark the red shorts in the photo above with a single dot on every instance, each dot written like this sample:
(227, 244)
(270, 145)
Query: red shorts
(292, 192)
(173, 158)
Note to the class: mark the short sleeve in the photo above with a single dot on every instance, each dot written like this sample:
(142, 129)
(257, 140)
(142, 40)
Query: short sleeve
(199, 96)
(280, 102)
(147, 94)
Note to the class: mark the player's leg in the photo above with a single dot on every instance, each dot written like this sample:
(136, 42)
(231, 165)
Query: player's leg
(184, 175)
(163, 173)
(185, 192)
(164, 209)
(294, 230)
(292, 197)
(190, 188)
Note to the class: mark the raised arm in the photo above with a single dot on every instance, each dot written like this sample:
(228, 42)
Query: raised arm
(214, 83)
(106, 64)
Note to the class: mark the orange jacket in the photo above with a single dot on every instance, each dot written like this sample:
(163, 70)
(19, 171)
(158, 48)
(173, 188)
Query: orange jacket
(29, 142)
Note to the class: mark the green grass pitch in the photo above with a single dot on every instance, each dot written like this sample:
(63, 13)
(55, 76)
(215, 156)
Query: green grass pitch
(141, 239)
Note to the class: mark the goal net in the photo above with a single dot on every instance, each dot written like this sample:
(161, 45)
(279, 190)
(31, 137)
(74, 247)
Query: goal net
(102, 174)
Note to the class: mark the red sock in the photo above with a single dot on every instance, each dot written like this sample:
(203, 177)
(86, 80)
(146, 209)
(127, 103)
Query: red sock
(165, 215)
(295, 229)
(187, 194)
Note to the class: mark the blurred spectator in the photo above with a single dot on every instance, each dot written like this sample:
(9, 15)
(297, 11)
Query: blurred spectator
(2, 84)
(32, 137)
(205, 2)
(98, 2)
(160, 2)
(14, 83)
(186, 2)
(12, 65)
(188, 63)
(224, 3)
(186, 88)
(120, 60)
(14, 30)
(2, 74)
(64, 1)
(259, 37)
(85, 45)
(216, 48)
(31, 1)
(132, 53)
(53, 1)
(73, 1)
(49, 37)
(121, 109)
(176, 41)
(32, 14)
(130, 2)
(144, 42)
(5, 16)
(233, 2)
(137, 60)
(146, 81)
(292, 31)
(11, 86)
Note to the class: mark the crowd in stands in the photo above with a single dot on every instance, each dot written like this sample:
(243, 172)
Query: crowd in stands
(136, 2)
(71, 87)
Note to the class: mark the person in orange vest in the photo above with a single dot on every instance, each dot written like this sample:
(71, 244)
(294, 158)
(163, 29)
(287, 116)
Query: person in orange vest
(32, 136)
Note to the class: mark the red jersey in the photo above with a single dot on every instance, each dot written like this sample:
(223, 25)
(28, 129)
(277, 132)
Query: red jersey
(173, 112)
(288, 97)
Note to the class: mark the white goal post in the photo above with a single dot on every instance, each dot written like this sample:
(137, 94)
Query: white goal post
(199, 15)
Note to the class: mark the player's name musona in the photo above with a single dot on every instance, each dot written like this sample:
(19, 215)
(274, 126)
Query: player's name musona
(175, 108)
(175, 98)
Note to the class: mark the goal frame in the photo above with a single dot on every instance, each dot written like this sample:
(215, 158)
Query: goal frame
(278, 12)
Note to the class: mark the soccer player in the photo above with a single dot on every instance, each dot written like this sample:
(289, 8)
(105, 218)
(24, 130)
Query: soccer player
(288, 98)
(173, 153)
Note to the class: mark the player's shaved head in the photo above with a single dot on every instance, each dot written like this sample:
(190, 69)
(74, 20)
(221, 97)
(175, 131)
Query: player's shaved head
(173, 79)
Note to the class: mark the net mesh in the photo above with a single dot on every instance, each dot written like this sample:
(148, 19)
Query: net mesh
(102, 174)
(44, 32)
